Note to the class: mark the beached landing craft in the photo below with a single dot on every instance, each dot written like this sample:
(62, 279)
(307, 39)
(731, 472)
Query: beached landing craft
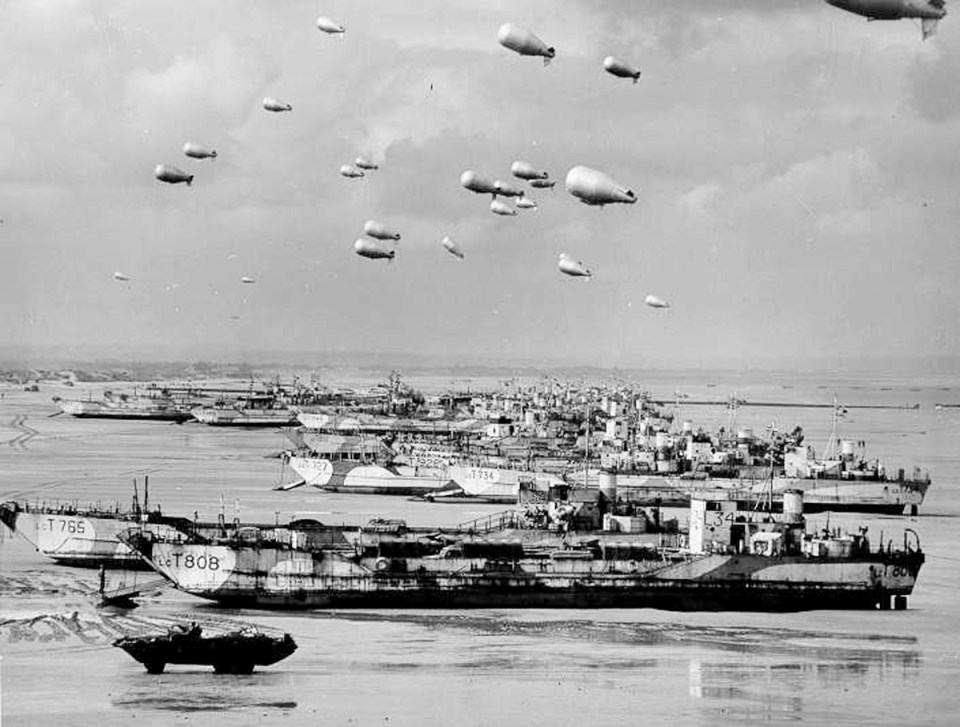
(882, 497)
(487, 482)
(251, 410)
(367, 477)
(122, 406)
(733, 561)
(85, 536)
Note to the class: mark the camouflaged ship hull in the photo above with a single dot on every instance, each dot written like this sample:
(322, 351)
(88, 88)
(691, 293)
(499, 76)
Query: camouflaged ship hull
(274, 575)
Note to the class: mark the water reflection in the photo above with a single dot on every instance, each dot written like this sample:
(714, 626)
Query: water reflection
(189, 690)
(769, 688)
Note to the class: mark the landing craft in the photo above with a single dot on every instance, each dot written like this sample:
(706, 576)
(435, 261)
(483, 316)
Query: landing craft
(525, 170)
(379, 230)
(475, 183)
(350, 171)
(930, 12)
(505, 190)
(543, 183)
(655, 302)
(572, 267)
(452, 246)
(373, 251)
(245, 279)
(596, 188)
(620, 69)
(172, 175)
(120, 276)
(524, 42)
(525, 203)
(329, 26)
(276, 105)
(499, 208)
(365, 163)
(196, 151)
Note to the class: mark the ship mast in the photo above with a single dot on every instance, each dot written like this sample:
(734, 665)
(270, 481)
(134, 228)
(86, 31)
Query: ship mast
(830, 450)
(586, 448)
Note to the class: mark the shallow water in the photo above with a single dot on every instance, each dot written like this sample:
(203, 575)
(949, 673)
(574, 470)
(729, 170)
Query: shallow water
(485, 667)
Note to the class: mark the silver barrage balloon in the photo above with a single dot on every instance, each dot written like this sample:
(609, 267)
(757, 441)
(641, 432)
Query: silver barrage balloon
(596, 188)
(505, 189)
(620, 69)
(351, 172)
(246, 279)
(500, 208)
(172, 175)
(524, 42)
(364, 163)
(451, 246)
(198, 151)
(120, 276)
(329, 26)
(475, 183)
(930, 12)
(525, 170)
(572, 267)
(372, 250)
(525, 203)
(379, 231)
(655, 302)
(543, 183)
(276, 105)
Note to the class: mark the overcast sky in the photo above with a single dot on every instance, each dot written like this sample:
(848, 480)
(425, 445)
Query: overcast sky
(796, 166)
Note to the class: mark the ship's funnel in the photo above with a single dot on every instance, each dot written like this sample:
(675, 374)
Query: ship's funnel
(792, 506)
(847, 449)
(608, 486)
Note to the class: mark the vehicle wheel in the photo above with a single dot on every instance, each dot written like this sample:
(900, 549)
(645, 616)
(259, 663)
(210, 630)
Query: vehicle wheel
(155, 667)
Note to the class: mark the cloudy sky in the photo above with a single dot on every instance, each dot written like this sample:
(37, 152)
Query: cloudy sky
(796, 168)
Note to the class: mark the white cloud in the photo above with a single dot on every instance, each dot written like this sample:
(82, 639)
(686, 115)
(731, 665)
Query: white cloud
(699, 200)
